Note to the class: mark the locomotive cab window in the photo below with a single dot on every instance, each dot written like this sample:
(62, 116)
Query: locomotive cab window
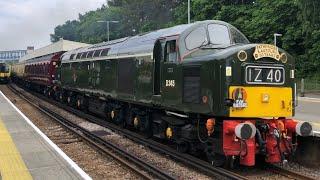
(219, 34)
(171, 51)
(196, 38)
(238, 37)
(4, 68)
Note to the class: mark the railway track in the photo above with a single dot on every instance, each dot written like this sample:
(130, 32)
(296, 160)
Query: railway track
(186, 159)
(288, 173)
(189, 160)
(119, 154)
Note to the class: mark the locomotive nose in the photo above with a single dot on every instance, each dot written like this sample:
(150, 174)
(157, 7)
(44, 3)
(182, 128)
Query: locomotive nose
(304, 129)
(245, 130)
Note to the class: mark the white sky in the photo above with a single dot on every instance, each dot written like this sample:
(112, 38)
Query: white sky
(30, 22)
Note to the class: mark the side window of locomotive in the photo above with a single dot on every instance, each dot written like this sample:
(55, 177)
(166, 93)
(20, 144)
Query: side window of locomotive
(78, 55)
(89, 55)
(196, 38)
(219, 34)
(83, 55)
(72, 56)
(105, 52)
(171, 51)
(97, 53)
(238, 37)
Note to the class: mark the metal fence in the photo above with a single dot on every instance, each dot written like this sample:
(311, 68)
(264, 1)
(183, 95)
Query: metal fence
(308, 85)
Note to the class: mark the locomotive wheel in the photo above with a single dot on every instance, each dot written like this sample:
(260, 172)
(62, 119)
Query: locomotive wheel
(117, 117)
(148, 130)
(214, 158)
(183, 146)
(60, 96)
(113, 114)
(69, 100)
(136, 122)
(79, 104)
(230, 162)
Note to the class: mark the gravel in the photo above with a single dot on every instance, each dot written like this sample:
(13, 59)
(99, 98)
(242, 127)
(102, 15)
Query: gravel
(162, 161)
(107, 168)
(98, 166)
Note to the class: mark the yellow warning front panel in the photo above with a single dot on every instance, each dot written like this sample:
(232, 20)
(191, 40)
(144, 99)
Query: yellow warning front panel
(261, 101)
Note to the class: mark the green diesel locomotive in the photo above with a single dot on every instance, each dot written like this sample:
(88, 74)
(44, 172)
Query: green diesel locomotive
(201, 85)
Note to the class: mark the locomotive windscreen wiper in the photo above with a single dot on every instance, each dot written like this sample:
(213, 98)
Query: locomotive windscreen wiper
(214, 46)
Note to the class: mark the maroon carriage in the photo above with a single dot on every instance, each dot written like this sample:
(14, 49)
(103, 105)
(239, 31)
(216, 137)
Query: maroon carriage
(40, 72)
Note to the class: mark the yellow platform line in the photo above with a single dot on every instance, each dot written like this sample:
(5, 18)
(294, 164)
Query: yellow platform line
(12, 167)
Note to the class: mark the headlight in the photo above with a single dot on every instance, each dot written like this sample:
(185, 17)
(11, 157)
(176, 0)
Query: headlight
(283, 58)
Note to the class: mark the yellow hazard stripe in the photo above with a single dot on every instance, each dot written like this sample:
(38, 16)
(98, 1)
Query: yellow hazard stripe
(11, 164)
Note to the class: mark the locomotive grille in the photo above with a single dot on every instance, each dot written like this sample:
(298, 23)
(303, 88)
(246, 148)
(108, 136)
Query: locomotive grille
(191, 85)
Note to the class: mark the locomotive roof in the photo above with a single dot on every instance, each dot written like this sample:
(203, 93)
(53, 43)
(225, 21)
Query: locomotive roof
(142, 44)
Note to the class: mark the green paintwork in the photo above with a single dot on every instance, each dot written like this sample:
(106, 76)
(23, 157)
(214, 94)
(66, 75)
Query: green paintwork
(99, 77)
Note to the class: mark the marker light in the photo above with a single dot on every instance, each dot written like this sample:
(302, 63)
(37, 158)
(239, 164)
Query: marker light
(242, 55)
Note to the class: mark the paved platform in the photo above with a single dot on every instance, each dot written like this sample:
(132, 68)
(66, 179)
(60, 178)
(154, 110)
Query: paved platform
(26, 153)
(309, 110)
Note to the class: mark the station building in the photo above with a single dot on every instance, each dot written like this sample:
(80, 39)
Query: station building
(57, 47)
(14, 55)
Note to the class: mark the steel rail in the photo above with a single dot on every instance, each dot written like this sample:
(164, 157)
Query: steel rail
(186, 159)
(106, 147)
(288, 173)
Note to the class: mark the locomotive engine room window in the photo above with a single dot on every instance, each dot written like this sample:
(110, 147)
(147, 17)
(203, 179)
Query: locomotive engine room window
(219, 34)
(171, 51)
(196, 38)
(105, 52)
(97, 53)
(83, 55)
(72, 56)
(78, 56)
(89, 55)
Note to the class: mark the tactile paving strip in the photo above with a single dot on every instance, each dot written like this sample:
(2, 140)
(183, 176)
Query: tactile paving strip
(11, 164)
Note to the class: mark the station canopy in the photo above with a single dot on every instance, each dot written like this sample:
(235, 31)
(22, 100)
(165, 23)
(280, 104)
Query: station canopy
(59, 46)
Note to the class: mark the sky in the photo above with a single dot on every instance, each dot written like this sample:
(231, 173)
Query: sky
(30, 22)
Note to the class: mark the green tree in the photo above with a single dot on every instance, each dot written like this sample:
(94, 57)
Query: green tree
(67, 31)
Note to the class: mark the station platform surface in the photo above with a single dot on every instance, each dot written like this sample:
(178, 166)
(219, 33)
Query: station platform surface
(26, 153)
(308, 110)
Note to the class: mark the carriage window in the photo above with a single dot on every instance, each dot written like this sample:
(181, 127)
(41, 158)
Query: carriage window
(219, 34)
(196, 38)
(171, 51)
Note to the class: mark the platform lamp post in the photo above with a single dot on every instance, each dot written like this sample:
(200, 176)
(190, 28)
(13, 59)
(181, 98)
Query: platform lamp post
(275, 35)
(108, 26)
(189, 18)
